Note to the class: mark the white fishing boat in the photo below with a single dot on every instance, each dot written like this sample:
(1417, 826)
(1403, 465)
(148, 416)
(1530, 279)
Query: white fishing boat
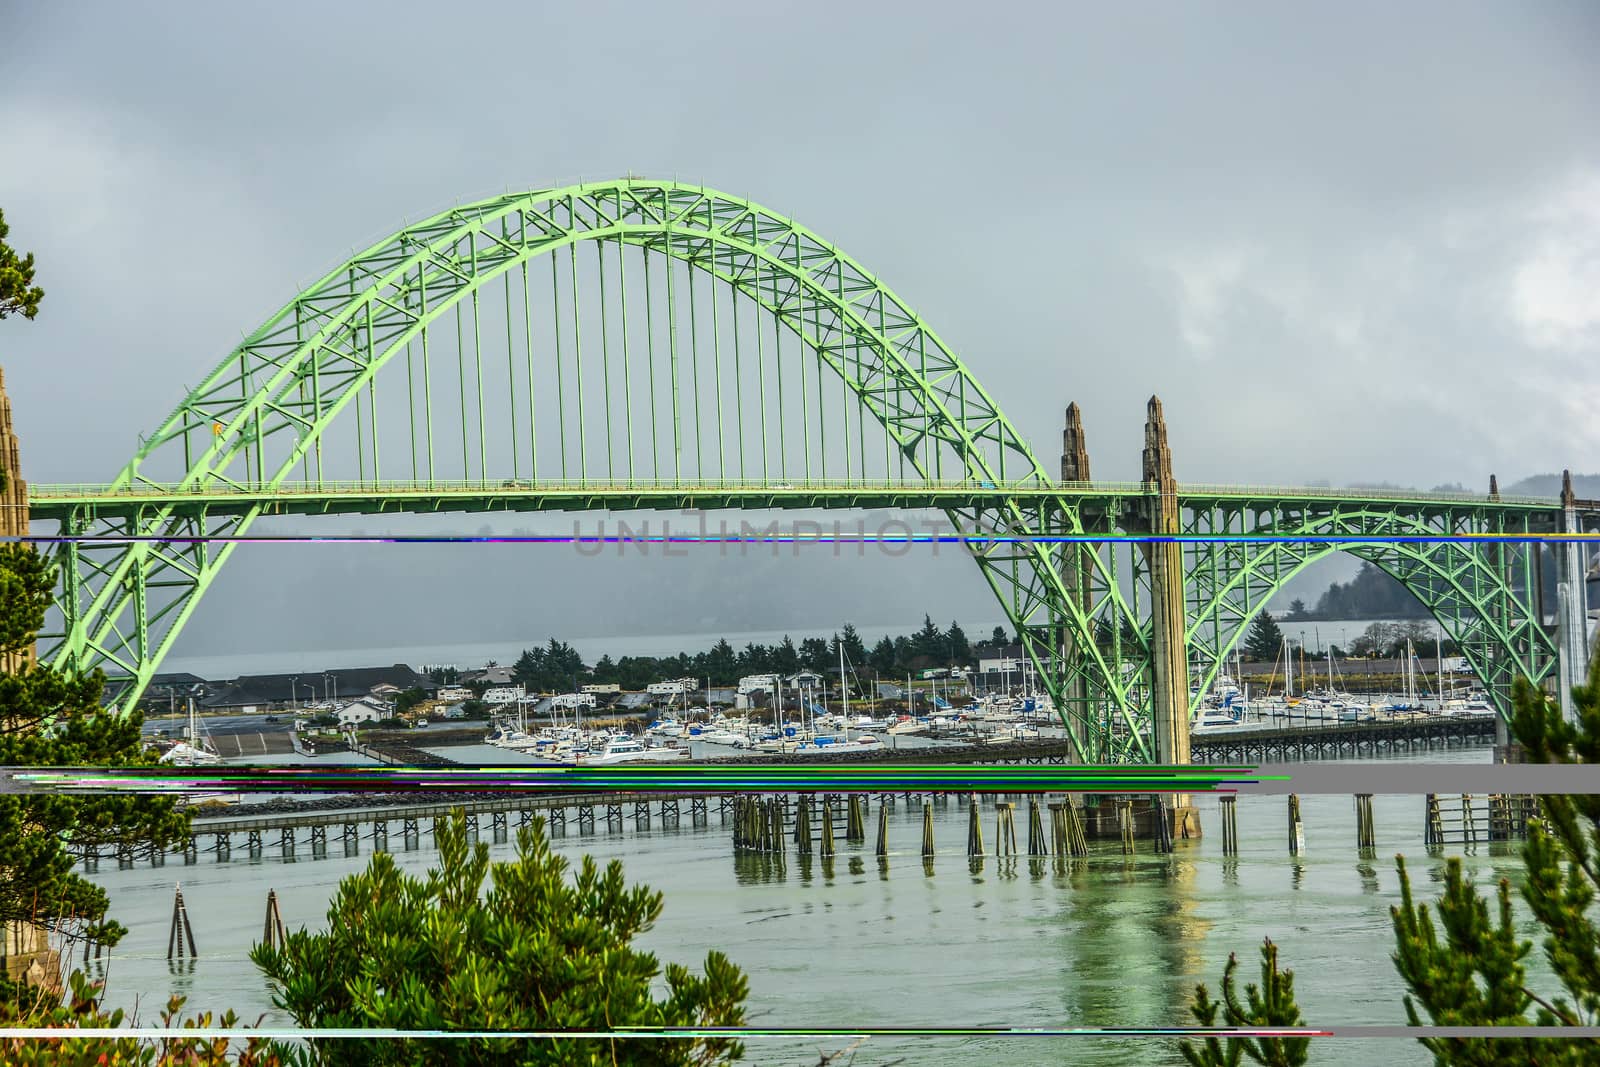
(1213, 721)
(908, 725)
(729, 738)
(617, 751)
(818, 745)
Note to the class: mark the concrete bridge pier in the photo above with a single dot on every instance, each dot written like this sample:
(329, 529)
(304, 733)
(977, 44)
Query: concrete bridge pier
(1572, 605)
(1169, 647)
(1076, 569)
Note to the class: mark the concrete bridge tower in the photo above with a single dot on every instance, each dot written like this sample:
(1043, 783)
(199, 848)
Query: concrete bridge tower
(1169, 650)
(1572, 605)
(1076, 573)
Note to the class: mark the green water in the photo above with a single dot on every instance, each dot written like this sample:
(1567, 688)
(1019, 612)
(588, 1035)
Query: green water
(1104, 941)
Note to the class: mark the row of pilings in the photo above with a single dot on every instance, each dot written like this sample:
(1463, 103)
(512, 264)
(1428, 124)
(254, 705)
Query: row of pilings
(772, 824)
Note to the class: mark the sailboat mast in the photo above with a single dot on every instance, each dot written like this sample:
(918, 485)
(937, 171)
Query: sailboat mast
(1439, 667)
(844, 694)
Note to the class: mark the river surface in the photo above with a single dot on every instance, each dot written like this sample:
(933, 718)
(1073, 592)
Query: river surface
(1104, 941)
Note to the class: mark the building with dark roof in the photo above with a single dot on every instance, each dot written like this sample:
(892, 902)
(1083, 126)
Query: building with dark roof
(306, 687)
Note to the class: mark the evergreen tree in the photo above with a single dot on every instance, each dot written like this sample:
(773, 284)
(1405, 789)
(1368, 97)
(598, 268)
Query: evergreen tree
(18, 294)
(537, 952)
(960, 651)
(1263, 640)
(755, 659)
(53, 718)
(854, 650)
(1270, 1006)
(882, 658)
(786, 658)
(528, 670)
(814, 655)
(1473, 975)
(605, 670)
(998, 637)
(722, 664)
(929, 643)
(1467, 969)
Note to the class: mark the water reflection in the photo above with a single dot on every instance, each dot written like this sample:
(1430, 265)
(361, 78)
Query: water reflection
(1125, 932)
(1369, 877)
(758, 868)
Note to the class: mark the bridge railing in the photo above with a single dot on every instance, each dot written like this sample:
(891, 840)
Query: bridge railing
(523, 486)
(480, 486)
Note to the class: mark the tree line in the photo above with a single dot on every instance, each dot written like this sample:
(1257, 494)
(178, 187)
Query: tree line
(1265, 641)
(557, 667)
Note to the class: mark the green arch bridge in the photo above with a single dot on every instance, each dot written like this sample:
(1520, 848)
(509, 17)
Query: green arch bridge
(638, 344)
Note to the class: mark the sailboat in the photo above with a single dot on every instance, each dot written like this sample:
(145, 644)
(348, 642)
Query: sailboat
(196, 751)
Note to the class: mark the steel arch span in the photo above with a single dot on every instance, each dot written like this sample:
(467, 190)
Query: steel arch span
(1485, 597)
(679, 336)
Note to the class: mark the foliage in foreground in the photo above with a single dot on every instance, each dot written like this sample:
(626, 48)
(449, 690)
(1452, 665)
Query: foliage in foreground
(1462, 961)
(536, 953)
(53, 718)
(25, 1007)
(1269, 1005)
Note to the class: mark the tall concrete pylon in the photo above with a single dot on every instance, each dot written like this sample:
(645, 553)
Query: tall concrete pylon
(13, 509)
(1169, 647)
(1501, 606)
(1572, 605)
(1076, 573)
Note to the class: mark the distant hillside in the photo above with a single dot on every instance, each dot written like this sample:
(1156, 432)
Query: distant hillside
(1586, 486)
(1372, 594)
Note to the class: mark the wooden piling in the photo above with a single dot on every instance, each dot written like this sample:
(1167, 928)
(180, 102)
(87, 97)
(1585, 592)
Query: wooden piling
(1230, 826)
(1005, 830)
(1469, 825)
(827, 829)
(882, 849)
(1125, 824)
(802, 826)
(855, 821)
(927, 830)
(1161, 824)
(272, 932)
(974, 829)
(181, 930)
(1499, 817)
(1433, 828)
(1037, 844)
(1366, 830)
(1297, 833)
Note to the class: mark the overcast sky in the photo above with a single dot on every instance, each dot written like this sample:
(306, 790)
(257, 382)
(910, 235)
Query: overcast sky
(1352, 242)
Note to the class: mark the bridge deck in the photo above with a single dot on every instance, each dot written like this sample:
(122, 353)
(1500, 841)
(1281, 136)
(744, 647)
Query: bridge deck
(339, 497)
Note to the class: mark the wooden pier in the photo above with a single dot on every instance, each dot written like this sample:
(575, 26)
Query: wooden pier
(1275, 744)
